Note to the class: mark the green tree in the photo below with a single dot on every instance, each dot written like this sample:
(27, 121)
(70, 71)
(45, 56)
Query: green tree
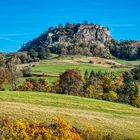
(136, 73)
(128, 89)
(43, 53)
(130, 86)
(86, 76)
(33, 53)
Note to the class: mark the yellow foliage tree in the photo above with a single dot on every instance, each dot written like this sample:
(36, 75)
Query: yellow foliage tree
(135, 101)
(112, 96)
(90, 90)
(108, 84)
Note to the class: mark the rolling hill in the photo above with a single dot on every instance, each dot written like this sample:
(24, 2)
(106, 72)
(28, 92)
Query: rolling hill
(89, 115)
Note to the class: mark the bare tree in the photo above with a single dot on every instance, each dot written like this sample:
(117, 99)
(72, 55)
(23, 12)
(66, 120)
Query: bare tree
(15, 73)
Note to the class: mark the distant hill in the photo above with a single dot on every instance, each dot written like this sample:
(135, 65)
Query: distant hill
(84, 39)
(125, 49)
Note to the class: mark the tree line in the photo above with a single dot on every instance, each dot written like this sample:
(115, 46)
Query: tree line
(124, 87)
(113, 87)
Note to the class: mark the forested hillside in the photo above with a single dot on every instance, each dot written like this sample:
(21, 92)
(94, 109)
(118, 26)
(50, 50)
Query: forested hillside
(84, 39)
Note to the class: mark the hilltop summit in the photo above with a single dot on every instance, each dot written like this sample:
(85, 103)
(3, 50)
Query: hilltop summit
(81, 39)
(78, 33)
(84, 39)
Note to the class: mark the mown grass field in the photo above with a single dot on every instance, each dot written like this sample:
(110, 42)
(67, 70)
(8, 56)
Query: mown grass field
(86, 114)
(51, 69)
(57, 66)
(128, 63)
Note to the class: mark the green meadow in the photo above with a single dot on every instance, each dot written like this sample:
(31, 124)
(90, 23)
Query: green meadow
(88, 115)
(121, 121)
(53, 67)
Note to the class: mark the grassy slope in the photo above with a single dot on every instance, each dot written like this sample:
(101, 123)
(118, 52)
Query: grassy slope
(57, 66)
(128, 63)
(84, 113)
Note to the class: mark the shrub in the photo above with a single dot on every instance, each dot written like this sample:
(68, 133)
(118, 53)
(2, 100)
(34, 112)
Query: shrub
(27, 86)
(90, 91)
(135, 101)
(24, 130)
(35, 85)
(27, 72)
(112, 96)
(99, 96)
(56, 88)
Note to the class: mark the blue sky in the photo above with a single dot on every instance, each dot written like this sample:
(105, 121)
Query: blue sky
(23, 20)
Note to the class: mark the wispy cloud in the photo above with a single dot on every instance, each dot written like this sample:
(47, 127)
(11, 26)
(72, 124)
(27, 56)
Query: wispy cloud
(15, 35)
(121, 25)
(8, 37)
(11, 40)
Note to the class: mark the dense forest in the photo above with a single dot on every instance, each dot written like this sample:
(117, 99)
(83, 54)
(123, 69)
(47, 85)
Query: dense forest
(129, 50)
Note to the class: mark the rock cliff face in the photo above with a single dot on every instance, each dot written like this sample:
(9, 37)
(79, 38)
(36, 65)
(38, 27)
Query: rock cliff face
(77, 34)
(93, 33)
(84, 39)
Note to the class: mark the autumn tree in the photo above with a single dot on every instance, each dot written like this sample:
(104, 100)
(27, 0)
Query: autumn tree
(5, 76)
(135, 101)
(55, 87)
(108, 85)
(93, 80)
(15, 74)
(71, 82)
(35, 85)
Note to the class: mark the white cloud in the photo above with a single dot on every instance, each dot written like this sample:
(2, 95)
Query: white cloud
(121, 25)
(11, 40)
(13, 34)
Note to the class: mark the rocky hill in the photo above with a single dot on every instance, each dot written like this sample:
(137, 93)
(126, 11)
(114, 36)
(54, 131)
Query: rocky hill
(78, 33)
(84, 39)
